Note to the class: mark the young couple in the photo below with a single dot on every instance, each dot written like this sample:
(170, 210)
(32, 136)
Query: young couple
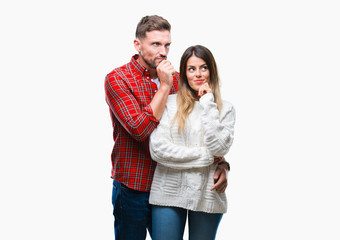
(171, 132)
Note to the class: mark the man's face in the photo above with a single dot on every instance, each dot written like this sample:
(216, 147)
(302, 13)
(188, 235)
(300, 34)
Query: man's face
(153, 48)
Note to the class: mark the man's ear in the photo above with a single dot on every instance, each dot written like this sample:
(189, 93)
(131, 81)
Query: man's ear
(137, 45)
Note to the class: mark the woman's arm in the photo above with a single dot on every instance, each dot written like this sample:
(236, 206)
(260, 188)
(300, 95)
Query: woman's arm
(218, 127)
(164, 151)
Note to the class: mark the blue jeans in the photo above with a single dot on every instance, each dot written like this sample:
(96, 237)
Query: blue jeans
(131, 211)
(169, 223)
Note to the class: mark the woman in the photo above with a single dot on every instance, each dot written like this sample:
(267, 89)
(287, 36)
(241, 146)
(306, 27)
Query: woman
(196, 127)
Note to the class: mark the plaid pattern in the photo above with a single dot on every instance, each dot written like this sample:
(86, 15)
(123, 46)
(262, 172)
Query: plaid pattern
(129, 91)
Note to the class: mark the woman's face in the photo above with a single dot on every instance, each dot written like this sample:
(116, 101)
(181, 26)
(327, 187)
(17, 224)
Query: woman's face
(197, 72)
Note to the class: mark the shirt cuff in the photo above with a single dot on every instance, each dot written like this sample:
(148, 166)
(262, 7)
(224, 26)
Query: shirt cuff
(149, 112)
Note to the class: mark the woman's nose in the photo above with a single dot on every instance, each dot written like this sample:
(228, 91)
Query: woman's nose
(198, 72)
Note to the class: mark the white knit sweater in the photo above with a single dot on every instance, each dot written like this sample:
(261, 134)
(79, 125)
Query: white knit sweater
(185, 169)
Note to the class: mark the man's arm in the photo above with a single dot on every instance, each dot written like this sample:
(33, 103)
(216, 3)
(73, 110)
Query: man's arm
(138, 122)
(165, 73)
(221, 177)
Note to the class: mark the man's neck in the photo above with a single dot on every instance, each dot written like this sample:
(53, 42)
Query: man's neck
(152, 71)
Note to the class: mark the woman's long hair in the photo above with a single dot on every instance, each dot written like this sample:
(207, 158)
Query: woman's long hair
(186, 96)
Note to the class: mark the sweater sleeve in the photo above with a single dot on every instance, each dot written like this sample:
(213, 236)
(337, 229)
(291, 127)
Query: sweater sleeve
(218, 126)
(165, 150)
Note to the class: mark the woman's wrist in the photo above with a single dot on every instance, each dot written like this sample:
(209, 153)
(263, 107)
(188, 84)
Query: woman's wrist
(226, 164)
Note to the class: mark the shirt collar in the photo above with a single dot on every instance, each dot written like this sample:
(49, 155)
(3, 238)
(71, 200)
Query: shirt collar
(139, 67)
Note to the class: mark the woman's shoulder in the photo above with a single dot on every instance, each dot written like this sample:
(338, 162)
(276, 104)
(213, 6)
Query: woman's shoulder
(172, 97)
(227, 106)
(172, 100)
(171, 105)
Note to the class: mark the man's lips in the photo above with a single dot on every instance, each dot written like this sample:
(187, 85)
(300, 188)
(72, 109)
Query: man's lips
(161, 58)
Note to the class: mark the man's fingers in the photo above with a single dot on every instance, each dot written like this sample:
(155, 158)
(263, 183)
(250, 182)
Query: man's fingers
(220, 179)
(166, 66)
(220, 183)
(217, 173)
(220, 186)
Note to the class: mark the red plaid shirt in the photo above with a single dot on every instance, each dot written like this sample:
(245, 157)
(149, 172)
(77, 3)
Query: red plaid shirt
(129, 91)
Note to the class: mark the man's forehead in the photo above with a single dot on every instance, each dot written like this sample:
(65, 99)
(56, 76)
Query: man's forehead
(158, 36)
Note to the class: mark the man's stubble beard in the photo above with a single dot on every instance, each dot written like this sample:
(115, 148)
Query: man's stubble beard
(152, 64)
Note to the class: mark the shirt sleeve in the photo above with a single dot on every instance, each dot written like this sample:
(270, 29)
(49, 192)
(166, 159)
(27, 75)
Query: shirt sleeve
(165, 151)
(218, 126)
(138, 122)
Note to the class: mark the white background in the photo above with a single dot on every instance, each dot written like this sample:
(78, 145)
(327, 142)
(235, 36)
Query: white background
(279, 64)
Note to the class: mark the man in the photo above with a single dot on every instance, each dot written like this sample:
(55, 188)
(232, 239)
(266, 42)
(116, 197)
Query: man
(136, 94)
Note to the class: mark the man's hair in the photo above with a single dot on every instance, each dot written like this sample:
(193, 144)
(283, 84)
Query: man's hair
(151, 23)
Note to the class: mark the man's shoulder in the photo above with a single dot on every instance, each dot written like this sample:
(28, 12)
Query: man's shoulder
(121, 75)
(119, 71)
(126, 70)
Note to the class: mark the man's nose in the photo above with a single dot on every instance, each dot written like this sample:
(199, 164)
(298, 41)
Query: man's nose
(163, 51)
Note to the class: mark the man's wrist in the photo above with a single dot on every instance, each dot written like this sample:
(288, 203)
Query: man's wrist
(165, 87)
(227, 165)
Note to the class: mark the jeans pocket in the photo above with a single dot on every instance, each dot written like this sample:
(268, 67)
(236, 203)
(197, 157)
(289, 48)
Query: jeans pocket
(115, 192)
(135, 206)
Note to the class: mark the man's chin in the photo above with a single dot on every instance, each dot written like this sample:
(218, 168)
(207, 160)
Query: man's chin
(153, 66)
(157, 62)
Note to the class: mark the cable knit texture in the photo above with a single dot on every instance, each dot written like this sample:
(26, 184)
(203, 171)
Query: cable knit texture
(185, 169)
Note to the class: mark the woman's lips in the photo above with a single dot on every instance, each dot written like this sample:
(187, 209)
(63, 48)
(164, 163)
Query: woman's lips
(199, 81)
